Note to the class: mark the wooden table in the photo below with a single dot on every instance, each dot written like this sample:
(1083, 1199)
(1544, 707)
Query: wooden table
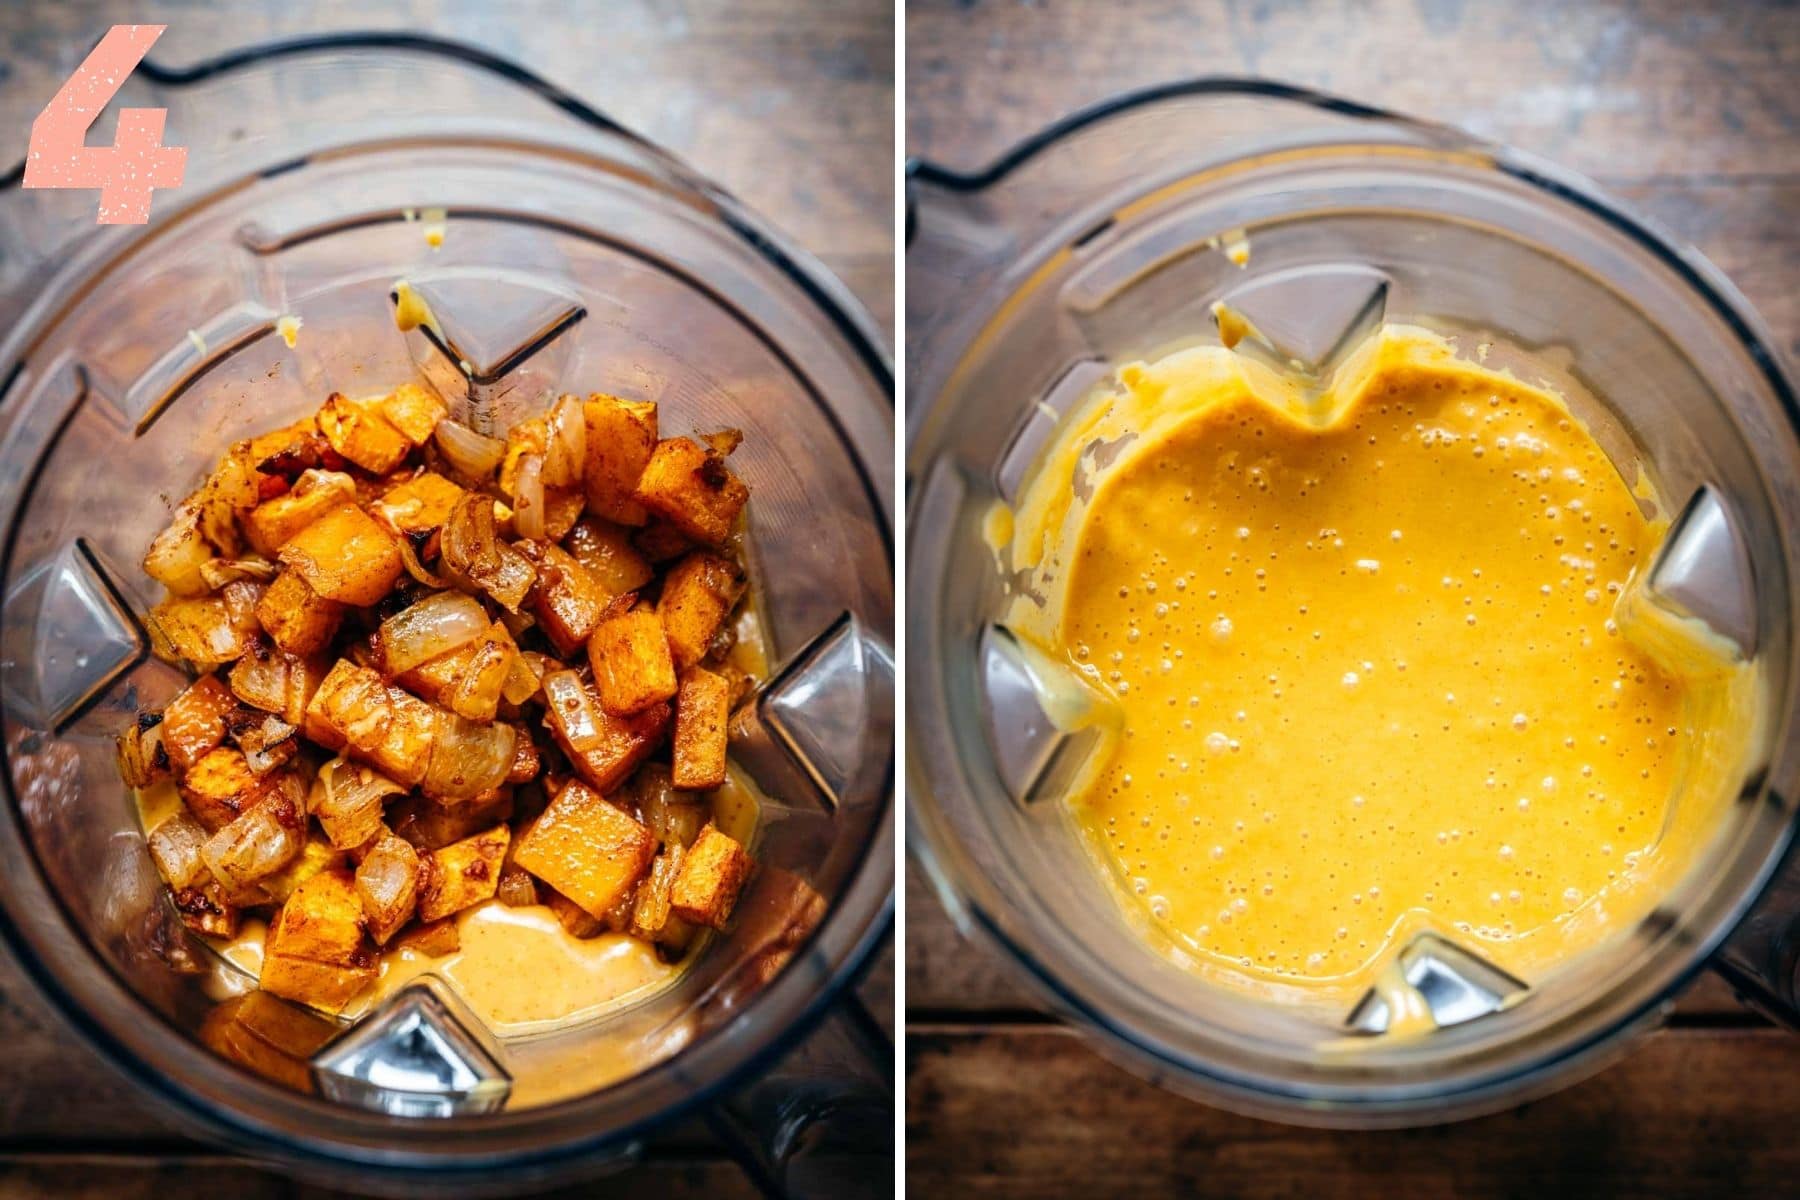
(1689, 111)
(787, 104)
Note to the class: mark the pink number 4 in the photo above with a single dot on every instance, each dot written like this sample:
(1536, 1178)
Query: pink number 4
(136, 162)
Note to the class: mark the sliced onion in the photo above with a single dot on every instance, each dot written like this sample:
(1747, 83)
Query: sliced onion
(175, 846)
(522, 682)
(565, 450)
(260, 677)
(468, 759)
(438, 624)
(528, 498)
(409, 559)
(387, 881)
(347, 798)
(256, 844)
(473, 551)
(217, 572)
(572, 710)
(142, 759)
(671, 815)
(469, 452)
(476, 693)
(179, 555)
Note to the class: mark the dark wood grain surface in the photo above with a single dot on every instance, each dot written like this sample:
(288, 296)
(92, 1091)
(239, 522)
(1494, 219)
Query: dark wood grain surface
(786, 103)
(1689, 112)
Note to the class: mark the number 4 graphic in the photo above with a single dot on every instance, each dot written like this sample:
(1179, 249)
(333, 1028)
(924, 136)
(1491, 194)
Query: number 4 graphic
(136, 162)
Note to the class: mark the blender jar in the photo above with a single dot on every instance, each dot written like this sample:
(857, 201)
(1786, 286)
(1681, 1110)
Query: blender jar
(1104, 240)
(574, 256)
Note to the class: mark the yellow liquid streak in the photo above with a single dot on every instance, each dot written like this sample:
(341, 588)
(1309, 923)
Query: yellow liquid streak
(1364, 650)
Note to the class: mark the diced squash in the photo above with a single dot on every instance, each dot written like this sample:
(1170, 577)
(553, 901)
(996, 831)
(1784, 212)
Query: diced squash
(429, 825)
(660, 541)
(357, 430)
(316, 952)
(346, 556)
(433, 941)
(420, 503)
(267, 1036)
(621, 436)
(299, 620)
(205, 910)
(562, 508)
(569, 600)
(651, 911)
(204, 630)
(633, 668)
(271, 523)
(690, 486)
(317, 855)
(711, 876)
(462, 874)
(221, 787)
(587, 849)
(386, 726)
(526, 760)
(603, 749)
(387, 881)
(700, 716)
(605, 550)
(415, 411)
(194, 721)
(697, 595)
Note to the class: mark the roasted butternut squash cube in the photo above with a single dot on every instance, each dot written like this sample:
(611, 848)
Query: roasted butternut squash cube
(267, 1036)
(433, 941)
(193, 723)
(621, 436)
(633, 667)
(700, 716)
(527, 762)
(316, 952)
(587, 849)
(429, 825)
(202, 630)
(413, 410)
(698, 594)
(420, 503)
(357, 430)
(569, 600)
(660, 541)
(462, 874)
(711, 876)
(298, 619)
(571, 916)
(205, 910)
(690, 486)
(221, 787)
(387, 881)
(606, 551)
(271, 523)
(385, 726)
(618, 745)
(346, 556)
(651, 910)
(562, 508)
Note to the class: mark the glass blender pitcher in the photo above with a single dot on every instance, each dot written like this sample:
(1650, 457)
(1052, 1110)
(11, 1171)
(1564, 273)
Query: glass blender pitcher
(1101, 241)
(573, 256)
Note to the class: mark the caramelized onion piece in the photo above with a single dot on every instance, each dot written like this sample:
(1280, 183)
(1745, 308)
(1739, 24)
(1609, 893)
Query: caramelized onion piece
(473, 552)
(528, 498)
(575, 711)
(347, 798)
(468, 452)
(565, 448)
(438, 624)
(175, 846)
(468, 759)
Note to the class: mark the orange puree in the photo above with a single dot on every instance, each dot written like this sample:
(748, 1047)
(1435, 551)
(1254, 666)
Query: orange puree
(1363, 648)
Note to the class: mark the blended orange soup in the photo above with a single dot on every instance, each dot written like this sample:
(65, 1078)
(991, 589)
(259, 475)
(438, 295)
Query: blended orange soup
(1364, 644)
